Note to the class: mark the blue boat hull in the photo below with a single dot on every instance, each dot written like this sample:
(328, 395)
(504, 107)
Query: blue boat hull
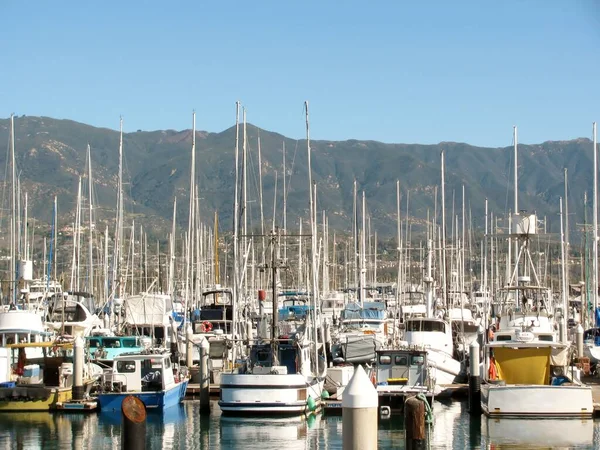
(111, 402)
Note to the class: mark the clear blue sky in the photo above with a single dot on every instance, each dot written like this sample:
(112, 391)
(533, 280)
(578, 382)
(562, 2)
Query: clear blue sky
(395, 71)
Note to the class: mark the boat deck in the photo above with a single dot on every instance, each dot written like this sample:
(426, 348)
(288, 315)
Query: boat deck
(594, 382)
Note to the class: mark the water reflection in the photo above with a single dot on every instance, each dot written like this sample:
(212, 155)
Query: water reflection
(184, 428)
(540, 434)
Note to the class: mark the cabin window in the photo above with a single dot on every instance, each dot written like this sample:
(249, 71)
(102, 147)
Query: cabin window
(417, 361)
(401, 360)
(385, 359)
(94, 343)
(167, 363)
(505, 337)
(128, 343)
(545, 337)
(425, 325)
(125, 366)
(262, 356)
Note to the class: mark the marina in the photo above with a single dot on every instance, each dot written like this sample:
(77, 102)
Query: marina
(300, 226)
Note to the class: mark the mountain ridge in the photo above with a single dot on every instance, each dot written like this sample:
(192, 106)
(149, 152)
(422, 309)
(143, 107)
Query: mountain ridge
(51, 155)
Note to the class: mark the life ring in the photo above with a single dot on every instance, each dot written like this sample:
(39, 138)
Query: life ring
(207, 326)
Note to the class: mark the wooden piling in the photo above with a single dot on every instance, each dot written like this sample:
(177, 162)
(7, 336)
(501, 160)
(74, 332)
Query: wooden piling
(414, 423)
(133, 433)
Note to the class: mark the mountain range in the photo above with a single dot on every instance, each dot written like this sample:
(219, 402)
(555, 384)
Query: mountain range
(51, 155)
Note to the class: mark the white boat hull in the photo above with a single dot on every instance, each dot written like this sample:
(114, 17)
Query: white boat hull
(268, 394)
(445, 368)
(536, 401)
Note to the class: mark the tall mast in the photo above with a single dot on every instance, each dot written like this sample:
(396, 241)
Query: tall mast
(595, 219)
(284, 204)
(236, 229)
(444, 274)
(245, 192)
(516, 241)
(260, 195)
(566, 263)
(190, 233)
(13, 221)
(91, 230)
(355, 234)
(363, 239)
(172, 241)
(515, 170)
(120, 242)
(563, 319)
(54, 238)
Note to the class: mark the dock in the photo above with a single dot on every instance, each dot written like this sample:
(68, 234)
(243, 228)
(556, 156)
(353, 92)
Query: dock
(77, 406)
(193, 391)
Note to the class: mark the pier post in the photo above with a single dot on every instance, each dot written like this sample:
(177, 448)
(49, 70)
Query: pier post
(359, 413)
(414, 423)
(204, 377)
(474, 380)
(189, 350)
(579, 340)
(133, 434)
(78, 356)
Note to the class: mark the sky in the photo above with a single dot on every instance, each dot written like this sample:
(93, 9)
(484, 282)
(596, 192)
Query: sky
(392, 71)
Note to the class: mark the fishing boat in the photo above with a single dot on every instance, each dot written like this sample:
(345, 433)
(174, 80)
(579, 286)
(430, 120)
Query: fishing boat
(104, 349)
(39, 383)
(284, 372)
(277, 378)
(528, 371)
(399, 373)
(149, 375)
(73, 314)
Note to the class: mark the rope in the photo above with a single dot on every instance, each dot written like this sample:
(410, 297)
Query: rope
(428, 410)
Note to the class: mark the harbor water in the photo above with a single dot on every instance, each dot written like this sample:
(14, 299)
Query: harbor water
(182, 427)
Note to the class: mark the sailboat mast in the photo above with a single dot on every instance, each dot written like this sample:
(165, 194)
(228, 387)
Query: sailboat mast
(235, 231)
(595, 219)
(189, 273)
(120, 213)
(363, 239)
(516, 211)
(260, 195)
(284, 204)
(444, 274)
(566, 201)
(91, 230)
(172, 250)
(13, 223)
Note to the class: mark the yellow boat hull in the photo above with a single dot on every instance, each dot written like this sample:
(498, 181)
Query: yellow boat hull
(56, 395)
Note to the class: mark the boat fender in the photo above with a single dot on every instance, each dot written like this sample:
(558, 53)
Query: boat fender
(311, 404)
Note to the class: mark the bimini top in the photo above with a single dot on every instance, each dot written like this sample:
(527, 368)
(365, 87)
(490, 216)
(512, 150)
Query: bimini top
(369, 310)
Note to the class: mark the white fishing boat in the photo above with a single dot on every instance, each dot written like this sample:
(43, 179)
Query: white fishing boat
(280, 377)
(435, 336)
(528, 371)
(73, 314)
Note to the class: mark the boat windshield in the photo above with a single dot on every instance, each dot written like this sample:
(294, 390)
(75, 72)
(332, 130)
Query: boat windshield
(425, 325)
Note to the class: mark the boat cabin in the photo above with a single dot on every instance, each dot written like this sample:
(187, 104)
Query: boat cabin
(215, 313)
(108, 347)
(403, 367)
(141, 372)
(289, 358)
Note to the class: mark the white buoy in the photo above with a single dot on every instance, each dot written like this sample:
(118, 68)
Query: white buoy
(359, 413)
(579, 340)
(78, 350)
(204, 376)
